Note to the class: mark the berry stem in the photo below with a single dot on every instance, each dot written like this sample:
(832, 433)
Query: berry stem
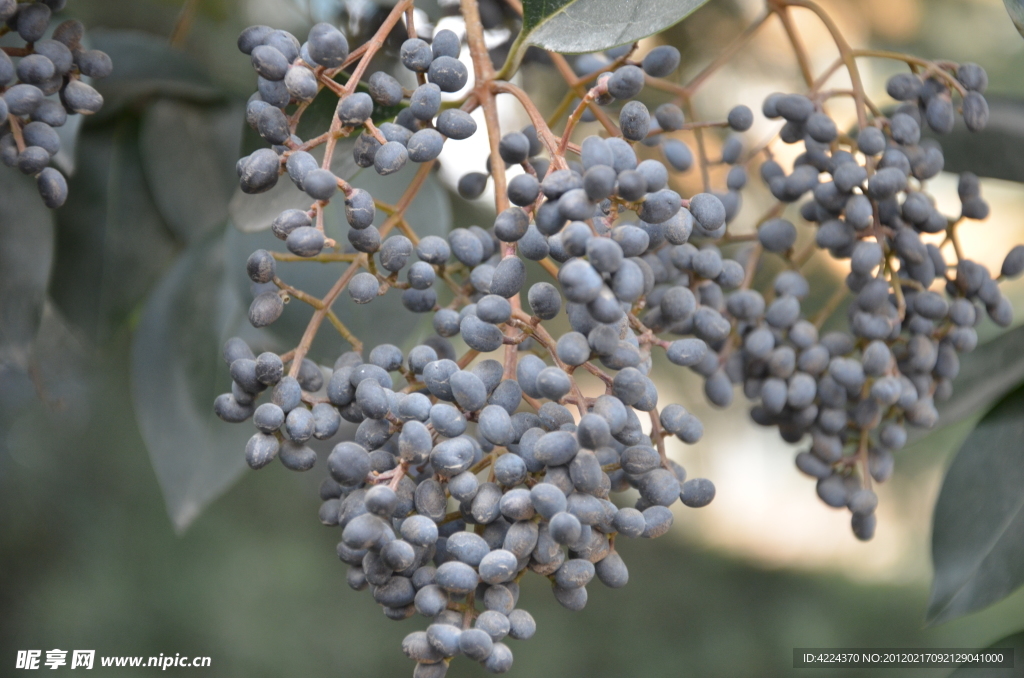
(374, 132)
(862, 454)
(780, 9)
(362, 261)
(578, 87)
(723, 58)
(751, 267)
(702, 152)
(657, 438)
(544, 133)
(845, 52)
(323, 257)
(484, 73)
(467, 357)
(402, 224)
(540, 334)
(366, 52)
(801, 258)
(183, 23)
(574, 118)
(375, 43)
(19, 140)
(563, 107)
(931, 67)
(826, 74)
(954, 240)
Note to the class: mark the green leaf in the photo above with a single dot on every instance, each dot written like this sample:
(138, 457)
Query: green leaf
(317, 117)
(61, 362)
(573, 26)
(1015, 8)
(146, 66)
(978, 524)
(997, 151)
(177, 371)
(26, 256)
(986, 374)
(189, 154)
(112, 245)
(52, 371)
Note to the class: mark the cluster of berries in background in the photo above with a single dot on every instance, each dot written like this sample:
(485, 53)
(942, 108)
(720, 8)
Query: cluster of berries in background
(41, 84)
(853, 393)
(476, 455)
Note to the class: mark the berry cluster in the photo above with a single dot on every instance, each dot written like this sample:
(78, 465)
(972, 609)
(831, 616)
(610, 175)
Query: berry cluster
(543, 507)
(853, 393)
(287, 74)
(419, 447)
(466, 471)
(28, 111)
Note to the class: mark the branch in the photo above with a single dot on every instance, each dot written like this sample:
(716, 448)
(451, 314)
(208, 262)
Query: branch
(728, 53)
(547, 138)
(361, 262)
(794, 39)
(845, 52)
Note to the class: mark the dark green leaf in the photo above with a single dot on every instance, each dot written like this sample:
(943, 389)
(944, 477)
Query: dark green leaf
(145, 65)
(177, 371)
(51, 372)
(112, 245)
(978, 524)
(591, 25)
(61, 362)
(317, 117)
(189, 154)
(997, 151)
(26, 255)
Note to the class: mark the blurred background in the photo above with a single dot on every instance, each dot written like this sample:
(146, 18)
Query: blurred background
(122, 528)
